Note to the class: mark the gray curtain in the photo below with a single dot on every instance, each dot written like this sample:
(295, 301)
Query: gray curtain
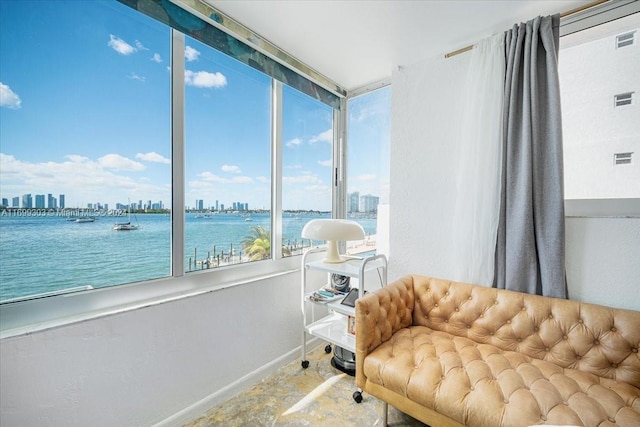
(530, 245)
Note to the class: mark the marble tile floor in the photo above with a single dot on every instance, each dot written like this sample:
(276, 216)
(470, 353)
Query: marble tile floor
(317, 396)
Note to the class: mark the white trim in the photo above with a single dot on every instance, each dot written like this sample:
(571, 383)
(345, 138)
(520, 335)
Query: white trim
(602, 208)
(177, 153)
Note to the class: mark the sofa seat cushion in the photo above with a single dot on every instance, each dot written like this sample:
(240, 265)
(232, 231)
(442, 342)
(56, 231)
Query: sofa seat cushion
(481, 385)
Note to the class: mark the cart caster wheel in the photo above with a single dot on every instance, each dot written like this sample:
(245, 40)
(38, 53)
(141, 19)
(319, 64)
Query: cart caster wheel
(357, 396)
(305, 364)
(327, 349)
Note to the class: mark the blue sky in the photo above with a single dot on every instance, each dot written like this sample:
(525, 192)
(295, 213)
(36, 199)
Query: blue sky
(85, 111)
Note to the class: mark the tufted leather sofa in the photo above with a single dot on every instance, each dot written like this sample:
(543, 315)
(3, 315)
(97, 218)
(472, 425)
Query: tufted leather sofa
(454, 354)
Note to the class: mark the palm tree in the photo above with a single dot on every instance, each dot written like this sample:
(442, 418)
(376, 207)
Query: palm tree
(257, 245)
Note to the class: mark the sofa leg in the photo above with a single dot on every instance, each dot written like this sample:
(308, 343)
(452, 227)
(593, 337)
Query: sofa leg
(385, 413)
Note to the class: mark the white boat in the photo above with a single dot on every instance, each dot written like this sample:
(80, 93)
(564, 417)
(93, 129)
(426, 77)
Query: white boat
(126, 226)
(85, 219)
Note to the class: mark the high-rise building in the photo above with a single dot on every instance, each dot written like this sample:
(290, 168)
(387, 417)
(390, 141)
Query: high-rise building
(27, 201)
(353, 200)
(51, 201)
(369, 203)
(40, 201)
(199, 204)
(15, 202)
(5, 202)
(217, 206)
(62, 205)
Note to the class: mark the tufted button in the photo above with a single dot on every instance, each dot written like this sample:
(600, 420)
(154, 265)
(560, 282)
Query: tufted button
(613, 329)
(508, 321)
(470, 298)
(471, 388)
(596, 342)
(614, 365)
(468, 326)
(551, 316)
(428, 289)
(435, 305)
(524, 308)
(580, 321)
(442, 377)
(482, 315)
(536, 329)
(457, 309)
(564, 337)
(526, 388)
(447, 294)
(491, 333)
(578, 357)
(366, 312)
(543, 418)
(446, 320)
(546, 349)
(496, 302)
(635, 350)
(506, 401)
(612, 420)
(565, 403)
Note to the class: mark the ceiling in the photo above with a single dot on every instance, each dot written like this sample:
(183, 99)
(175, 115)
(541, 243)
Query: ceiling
(359, 42)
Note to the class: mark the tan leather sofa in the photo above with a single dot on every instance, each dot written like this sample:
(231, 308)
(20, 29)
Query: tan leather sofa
(454, 354)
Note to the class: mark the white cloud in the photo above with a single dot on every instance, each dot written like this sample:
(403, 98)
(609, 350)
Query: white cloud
(326, 136)
(156, 58)
(305, 178)
(120, 163)
(211, 178)
(120, 46)
(263, 179)
(231, 168)
(295, 142)
(204, 79)
(81, 179)
(325, 163)
(191, 54)
(153, 157)
(134, 76)
(139, 45)
(9, 98)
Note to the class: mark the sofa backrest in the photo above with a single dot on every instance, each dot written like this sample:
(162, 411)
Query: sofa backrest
(591, 338)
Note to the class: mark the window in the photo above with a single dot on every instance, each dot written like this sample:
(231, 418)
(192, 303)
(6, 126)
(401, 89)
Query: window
(625, 39)
(368, 139)
(622, 158)
(85, 143)
(91, 122)
(623, 99)
(592, 71)
(307, 165)
(228, 158)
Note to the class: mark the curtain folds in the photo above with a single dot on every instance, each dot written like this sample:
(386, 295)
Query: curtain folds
(479, 164)
(530, 249)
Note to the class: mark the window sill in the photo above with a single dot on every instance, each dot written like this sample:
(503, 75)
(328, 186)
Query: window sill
(29, 316)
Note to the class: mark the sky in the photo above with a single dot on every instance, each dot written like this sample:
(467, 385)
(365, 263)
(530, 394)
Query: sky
(85, 112)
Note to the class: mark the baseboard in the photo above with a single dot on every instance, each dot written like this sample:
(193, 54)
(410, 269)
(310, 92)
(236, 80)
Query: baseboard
(200, 407)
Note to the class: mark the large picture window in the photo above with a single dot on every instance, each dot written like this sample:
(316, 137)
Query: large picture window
(104, 136)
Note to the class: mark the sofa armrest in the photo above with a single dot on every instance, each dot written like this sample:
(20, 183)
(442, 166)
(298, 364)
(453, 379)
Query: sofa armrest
(379, 315)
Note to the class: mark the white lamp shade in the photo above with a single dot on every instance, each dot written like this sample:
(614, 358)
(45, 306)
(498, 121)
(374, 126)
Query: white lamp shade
(333, 230)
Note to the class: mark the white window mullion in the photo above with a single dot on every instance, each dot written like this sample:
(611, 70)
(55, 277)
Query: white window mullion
(177, 153)
(276, 169)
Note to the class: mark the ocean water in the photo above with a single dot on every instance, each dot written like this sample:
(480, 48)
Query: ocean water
(49, 253)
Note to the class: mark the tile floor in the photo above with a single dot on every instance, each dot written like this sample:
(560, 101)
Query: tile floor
(318, 396)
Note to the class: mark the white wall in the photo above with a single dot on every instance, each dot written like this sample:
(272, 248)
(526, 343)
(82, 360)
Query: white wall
(603, 261)
(141, 367)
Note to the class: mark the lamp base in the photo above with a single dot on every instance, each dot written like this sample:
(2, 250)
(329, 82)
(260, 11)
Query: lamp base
(333, 257)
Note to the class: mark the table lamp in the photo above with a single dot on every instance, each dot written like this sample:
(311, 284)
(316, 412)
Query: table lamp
(333, 230)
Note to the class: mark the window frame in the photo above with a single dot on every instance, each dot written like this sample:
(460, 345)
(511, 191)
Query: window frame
(27, 315)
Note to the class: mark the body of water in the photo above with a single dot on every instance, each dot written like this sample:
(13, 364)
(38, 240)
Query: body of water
(50, 253)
